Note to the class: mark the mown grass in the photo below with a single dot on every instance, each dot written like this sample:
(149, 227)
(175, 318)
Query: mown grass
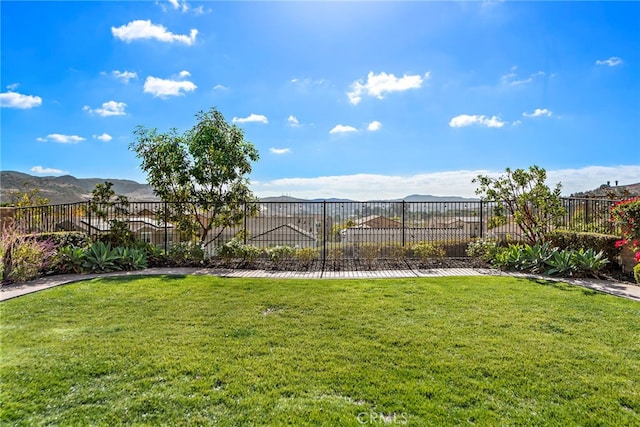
(215, 351)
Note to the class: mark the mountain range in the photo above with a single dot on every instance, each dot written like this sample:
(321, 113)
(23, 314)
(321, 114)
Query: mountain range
(69, 189)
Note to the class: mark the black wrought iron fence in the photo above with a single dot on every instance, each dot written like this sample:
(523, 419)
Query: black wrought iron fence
(335, 230)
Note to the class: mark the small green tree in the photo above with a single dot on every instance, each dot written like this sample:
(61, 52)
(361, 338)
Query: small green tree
(27, 197)
(202, 174)
(33, 208)
(113, 208)
(532, 205)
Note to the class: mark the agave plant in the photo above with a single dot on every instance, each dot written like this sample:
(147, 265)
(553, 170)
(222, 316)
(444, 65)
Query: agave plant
(534, 257)
(69, 259)
(589, 261)
(561, 263)
(100, 258)
(130, 258)
(510, 257)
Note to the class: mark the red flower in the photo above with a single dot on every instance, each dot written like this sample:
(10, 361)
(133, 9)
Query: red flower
(637, 256)
(621, 243)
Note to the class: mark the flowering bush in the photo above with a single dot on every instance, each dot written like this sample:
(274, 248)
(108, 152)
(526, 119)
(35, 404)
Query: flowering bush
(626, 215)
(23, 257)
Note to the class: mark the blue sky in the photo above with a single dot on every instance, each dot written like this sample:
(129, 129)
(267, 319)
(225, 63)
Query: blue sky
(366, 100)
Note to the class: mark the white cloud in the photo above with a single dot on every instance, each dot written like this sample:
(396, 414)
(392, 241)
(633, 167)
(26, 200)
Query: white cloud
(342, 129)
(13, 86)
(280, 150)
(448, 183)
(611, 62)
(47, 171)
(220, 87)
(307, 83)
(163, 88)
(125, 76)
(380, 84)
(511, 78)
(468, 120)
(252, 118)
(18, 100)
(538, 112)
(109, 108)
(200, 10)
(183, 7)
(140, 29)
(62, 139)
(177, 4)
(104, 137)
(184, 73)
(293, 121)
(374, 126)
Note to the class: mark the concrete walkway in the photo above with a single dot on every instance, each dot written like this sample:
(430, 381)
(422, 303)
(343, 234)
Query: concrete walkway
(625, 290)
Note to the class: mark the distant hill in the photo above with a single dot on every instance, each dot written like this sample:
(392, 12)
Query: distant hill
(608, 191)
(68, 189)
(428, 198)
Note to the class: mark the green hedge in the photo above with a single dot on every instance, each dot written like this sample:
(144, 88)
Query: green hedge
(581, 240)
(65, 238)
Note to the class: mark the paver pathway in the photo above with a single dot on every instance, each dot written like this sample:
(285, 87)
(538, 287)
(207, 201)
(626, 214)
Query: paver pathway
(625, 290)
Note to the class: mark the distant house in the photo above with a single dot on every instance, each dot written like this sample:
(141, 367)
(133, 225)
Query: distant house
(377, 221)
(255, 226)
(508, 232)
(144, 228)
(391, 231)
(467, 224)
(286, 234)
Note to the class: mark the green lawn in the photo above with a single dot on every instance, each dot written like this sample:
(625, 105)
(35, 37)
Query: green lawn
(215, 351)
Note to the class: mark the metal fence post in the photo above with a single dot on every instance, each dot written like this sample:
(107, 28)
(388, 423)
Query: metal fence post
(403, 224)
(324, 230)
(166, 229)
(89, 218)
(244, 234)
(481, 220)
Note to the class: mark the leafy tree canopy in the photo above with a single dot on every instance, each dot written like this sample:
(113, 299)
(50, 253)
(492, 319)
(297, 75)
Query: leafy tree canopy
(201, 173)
(525, 198)
(27, 197)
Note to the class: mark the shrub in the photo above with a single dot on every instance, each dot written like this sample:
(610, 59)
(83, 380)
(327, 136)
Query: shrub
(278, 254)
(231, 249)
(626, 215)
(335, 254)
(185, 253)
(234, 248)
(636, 273)
(484, 249)
(368, 253)
(66, 238)
(23, 257)
(306, 256)
(394, 251)
(119, 234)
(425, 250)
(605, 243)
